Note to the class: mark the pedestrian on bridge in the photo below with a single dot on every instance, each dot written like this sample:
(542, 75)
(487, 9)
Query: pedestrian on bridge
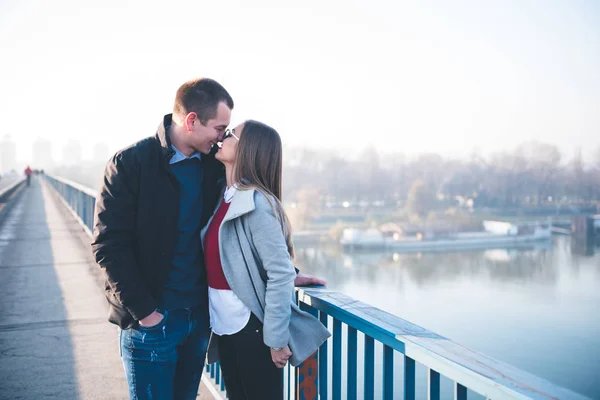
(156, 197)
(28, 173)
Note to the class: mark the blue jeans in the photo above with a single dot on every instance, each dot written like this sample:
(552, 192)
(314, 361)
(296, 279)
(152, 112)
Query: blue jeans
(166, 361)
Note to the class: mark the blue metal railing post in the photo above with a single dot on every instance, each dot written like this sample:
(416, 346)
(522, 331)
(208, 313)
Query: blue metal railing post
(369, 375)
(460, 392)
(409, 378)
(433, 384)
(351, 372)
(336, 384)
(388, 373)
(323, 356)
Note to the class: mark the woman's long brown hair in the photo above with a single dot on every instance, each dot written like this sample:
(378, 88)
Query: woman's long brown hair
(259, 165)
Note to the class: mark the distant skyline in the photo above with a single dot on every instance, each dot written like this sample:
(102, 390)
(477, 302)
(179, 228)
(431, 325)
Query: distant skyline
(8, 154)
(410, 77)
(43, 154)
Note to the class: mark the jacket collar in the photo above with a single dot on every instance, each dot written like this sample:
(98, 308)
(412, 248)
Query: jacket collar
(241, 203)
(162, 134)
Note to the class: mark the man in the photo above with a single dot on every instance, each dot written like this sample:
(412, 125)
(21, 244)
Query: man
(156, 197)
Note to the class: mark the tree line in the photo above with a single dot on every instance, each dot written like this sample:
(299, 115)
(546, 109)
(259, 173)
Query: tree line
(532, 175)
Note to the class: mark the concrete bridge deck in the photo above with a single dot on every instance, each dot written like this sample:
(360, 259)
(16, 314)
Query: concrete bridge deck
(55, 341)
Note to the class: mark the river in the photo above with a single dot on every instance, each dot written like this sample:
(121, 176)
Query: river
(537, 309)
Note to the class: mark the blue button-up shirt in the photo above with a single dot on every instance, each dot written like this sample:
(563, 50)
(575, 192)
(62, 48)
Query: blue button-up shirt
(179, 156)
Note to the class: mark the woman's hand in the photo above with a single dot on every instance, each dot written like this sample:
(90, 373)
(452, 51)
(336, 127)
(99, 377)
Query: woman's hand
(280, 358)
(308, 280)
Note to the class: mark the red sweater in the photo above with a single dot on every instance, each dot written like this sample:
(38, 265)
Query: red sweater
(212, 256)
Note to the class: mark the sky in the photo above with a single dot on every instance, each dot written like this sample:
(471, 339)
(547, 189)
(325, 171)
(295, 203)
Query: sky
(400, 76)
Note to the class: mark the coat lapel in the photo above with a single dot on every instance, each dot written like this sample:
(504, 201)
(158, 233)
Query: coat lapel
(241, 203)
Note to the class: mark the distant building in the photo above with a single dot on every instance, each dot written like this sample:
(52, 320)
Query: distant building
(8, 154)
(101, 153)
(72, 153)
(42, 154)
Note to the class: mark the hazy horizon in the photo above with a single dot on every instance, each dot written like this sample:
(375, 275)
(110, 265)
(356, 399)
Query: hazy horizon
(403, 77)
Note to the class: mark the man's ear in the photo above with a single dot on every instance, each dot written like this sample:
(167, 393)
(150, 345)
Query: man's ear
(190, 120)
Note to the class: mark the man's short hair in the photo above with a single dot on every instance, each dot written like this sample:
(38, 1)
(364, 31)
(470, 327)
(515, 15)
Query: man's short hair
(201, 96)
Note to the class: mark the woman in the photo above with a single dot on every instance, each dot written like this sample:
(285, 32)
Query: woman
(248, 250)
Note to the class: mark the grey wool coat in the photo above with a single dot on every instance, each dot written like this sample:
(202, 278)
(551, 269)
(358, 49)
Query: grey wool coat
(259, 270)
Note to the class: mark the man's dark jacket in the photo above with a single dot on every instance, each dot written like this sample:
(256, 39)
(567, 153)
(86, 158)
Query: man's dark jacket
(135, 224)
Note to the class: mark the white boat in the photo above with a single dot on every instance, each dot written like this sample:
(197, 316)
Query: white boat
(496, 234)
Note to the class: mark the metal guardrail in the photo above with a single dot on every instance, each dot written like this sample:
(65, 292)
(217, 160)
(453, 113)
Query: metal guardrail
(8, 190)
(350, 319)
(443, 357)
(79, 199)
(5, 196)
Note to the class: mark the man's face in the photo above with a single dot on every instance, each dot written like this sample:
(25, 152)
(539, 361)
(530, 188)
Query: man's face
(203, 137)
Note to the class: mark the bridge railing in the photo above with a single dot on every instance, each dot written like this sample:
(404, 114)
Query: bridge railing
(80, 199)
(388, 353)
(8, 189)
(402, 346)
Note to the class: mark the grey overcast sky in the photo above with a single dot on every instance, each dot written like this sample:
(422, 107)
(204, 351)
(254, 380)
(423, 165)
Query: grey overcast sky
(407, 76)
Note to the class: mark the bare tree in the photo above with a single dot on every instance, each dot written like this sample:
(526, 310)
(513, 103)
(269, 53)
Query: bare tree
(542, 162)
(421, 199)
(576, 178)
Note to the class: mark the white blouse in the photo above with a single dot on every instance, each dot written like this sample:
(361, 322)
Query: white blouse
(228, 315)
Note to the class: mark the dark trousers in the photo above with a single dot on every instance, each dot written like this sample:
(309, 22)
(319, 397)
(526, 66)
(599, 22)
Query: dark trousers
(248, 369)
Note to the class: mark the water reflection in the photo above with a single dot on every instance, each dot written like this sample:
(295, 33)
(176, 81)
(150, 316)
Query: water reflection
(518, 305)
(539, 264)
(424, 269)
